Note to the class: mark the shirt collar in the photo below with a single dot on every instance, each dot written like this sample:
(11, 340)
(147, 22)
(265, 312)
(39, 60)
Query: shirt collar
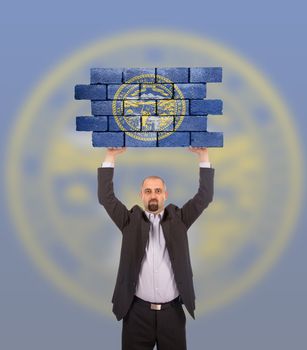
(149, 213)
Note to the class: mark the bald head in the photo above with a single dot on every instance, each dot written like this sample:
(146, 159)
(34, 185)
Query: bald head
(154, 177)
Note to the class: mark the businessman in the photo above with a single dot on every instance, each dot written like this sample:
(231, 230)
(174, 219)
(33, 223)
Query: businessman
(154, 277)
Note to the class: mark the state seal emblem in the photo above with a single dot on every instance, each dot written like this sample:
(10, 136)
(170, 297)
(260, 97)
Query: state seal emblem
(149, 106)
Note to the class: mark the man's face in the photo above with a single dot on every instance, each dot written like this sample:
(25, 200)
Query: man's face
(153, 195)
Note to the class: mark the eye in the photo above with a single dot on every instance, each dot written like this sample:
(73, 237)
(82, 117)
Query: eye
(158, 190)
(147, 191)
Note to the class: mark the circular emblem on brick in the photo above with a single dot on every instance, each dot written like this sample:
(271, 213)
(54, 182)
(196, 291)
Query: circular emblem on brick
(142, 107)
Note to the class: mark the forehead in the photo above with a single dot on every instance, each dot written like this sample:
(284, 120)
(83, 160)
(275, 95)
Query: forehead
(153, 183)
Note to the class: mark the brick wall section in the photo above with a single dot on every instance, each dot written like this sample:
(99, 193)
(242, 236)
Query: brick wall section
(151, 107)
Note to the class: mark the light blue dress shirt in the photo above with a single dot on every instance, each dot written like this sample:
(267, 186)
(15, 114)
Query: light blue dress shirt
(156, 281)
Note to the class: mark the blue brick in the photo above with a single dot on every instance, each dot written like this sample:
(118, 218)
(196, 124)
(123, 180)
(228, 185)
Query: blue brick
(127, 91)
(113, 126)
(204, 107)
(105, 107)
(176, 139)
(192, 123)
(190, 91)
(172, 107)
(157, 123)
(108, 139)
(106, 75)
(91, 123)
(157, 91)
(130, 73)
(206, 75)
(207, 139)
(90, 92)
(139, 107)
(176, 75)
(132, 142)
(135, 121)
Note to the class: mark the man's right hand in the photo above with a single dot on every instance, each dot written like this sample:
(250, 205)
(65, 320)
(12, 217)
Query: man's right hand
(112, 153)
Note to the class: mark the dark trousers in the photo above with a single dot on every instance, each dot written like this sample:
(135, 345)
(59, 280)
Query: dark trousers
(143, 327)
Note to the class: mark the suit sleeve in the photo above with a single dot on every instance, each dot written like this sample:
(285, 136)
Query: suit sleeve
(192, 209)
(114, 207)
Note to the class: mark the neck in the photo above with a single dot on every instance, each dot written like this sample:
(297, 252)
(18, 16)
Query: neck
(154, 212)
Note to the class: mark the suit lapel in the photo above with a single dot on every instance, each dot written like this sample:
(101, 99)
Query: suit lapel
(145, 226)
(166, 226)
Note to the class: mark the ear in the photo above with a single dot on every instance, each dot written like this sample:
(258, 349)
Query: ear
(166, 195)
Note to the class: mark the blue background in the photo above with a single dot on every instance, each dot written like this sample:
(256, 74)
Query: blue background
(36, 36)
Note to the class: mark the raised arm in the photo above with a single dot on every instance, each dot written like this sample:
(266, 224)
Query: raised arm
(192, 209)
(114, 207)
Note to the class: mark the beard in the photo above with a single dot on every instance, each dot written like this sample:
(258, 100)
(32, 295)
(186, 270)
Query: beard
(153, 205)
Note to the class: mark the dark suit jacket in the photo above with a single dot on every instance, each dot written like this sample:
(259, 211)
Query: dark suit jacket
(134, 226)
